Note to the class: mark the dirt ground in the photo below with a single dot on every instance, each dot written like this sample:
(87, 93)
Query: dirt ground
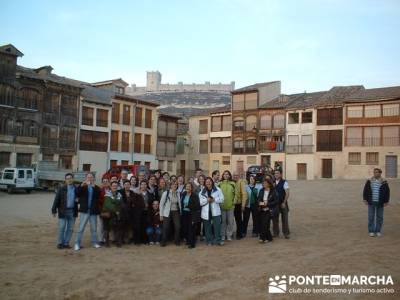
(329, 236)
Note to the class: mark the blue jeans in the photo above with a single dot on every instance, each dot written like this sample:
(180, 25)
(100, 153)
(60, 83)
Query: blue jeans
(66, 227)
(84, 218)
(375, 218)
(154, 234)
(215, 223)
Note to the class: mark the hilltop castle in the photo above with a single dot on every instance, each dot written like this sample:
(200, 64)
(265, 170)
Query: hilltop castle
(154, 84)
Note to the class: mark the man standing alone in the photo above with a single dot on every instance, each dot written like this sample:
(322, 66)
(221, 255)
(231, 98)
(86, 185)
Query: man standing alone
(376, 195)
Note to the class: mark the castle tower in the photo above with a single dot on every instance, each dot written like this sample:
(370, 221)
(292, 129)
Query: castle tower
(153, 81)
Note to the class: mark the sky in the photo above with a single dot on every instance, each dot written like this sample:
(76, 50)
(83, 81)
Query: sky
(308, 45)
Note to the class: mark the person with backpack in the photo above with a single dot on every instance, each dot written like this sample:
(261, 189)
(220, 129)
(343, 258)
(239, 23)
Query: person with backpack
(170, 208)
(376, 195)
(268, 207)
(211, 198)
(228, 188)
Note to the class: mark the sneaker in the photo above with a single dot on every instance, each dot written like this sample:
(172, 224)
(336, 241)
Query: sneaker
(229, 239)
(209, 244)
(287, 237)
(151, 243)
(221, 243)
(157, 243)
(96, 246)
(371, 234)
(60, 246)
(191, 246)
(77, 247)
(378, 234)
(261, 241)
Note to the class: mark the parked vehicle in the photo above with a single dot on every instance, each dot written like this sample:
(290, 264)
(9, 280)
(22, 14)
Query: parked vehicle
(50, 176)
(132, 169)
(257, 171)
(13, 179)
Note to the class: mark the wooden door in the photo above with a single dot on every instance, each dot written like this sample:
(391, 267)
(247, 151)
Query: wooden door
(327, 168)
(391, 166)
(301, 171)
(182, 168)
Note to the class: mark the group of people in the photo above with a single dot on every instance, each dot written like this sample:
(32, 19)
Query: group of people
(158, 208)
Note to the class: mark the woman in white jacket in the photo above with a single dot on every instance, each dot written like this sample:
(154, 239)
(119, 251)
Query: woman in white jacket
(210, 199)
(170, 208)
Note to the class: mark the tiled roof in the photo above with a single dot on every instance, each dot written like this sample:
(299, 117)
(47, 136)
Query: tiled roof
(97, 95)
(385, 93)
(254, 87)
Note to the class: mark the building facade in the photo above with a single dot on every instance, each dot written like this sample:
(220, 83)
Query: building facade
(167, 143)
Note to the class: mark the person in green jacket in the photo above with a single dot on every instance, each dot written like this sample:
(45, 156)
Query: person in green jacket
(111, 213)
(227, 187)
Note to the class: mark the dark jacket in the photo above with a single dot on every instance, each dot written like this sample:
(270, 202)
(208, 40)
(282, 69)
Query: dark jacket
(384, 192)
(272, 202)
(83, 195)
(194, 206)
(153, 218)
(60, 202)
(126, 205)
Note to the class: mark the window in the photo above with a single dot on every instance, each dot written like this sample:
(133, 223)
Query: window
(21, 173)
(161, 148)
(216, 145)
(203, 126)
(49, 136)
(293, 144)
(69, 105)
(171, 129)
(86, 167)
(93, 141)
(329, 140)
(391, 135)
(4, 159)
(372, 136)
(162, 128)
(119, 90)
(251, 123)
(251, 100)
(113, 163)
(354, 136)
(354, 112)
(29, 98)
(354, 158)
(29, 174)
(203, 149)
(52, 105)
(226, 145)
(115, 113)
(372, 111)
(138, 143)
(65, 162)
(148, 118)
(147, 164)
(238, 146)
(147, 144)
(238, 125)
(180, 145)
(125, 141)
(306, 117)
(161, 165)
(126, 117)
(372, 158)
(216, 124)
(226, 123)
(67, 138)
(124, 162)
(136, 162)
(170, 149)
(251, 145)
(48, 157)
(87, 116)
(7, 95)
(391, 110)
(114, 140)
(293, 118)
(196, 164)
(279, 121)
(266, 122)
(226, 160)
(238, 102)
(6, 126)
(138, 116)
(169, 166)
(102, 118)
(330, 116)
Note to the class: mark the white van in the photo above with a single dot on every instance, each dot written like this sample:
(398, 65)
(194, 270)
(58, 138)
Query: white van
(12, 179)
